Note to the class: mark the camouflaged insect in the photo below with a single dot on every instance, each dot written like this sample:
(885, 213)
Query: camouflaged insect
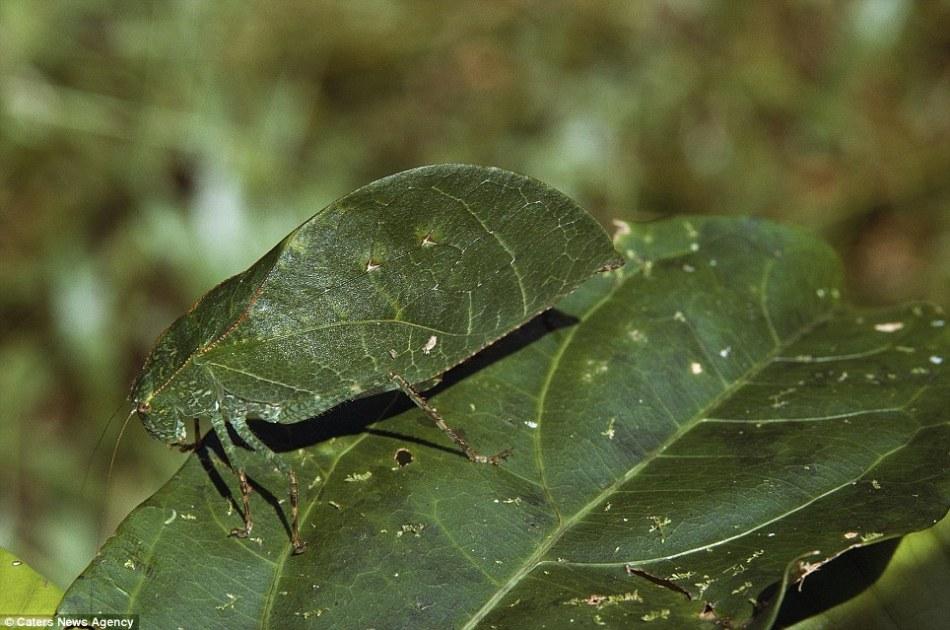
(388, 287)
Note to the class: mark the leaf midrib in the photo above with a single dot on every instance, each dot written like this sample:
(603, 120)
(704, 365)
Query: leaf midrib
(564, 526)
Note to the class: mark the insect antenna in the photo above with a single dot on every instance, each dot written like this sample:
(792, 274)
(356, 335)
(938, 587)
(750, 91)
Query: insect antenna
(95, 449)
(115, 449)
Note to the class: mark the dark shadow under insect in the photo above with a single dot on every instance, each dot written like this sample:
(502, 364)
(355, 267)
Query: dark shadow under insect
(354, 417)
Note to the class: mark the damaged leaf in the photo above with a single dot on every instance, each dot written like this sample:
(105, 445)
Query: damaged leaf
(688, 431)
(910, 593)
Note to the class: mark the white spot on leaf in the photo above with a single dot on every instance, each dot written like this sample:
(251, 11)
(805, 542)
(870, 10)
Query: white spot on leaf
(659, 525)
(889, 327)
(653, 615)
(637, 336)
(695, 368)
(430, 344)
(354, 477)
(411, 528)
(229, 603)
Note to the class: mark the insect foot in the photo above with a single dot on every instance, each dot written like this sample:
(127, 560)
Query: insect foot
(495, 459)
(244, 532)
(453, 434)
(241, 532)
(188, 447)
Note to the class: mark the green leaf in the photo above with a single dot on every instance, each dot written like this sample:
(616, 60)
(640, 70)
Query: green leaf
(23, 591)
(910, 593)
(688, 430)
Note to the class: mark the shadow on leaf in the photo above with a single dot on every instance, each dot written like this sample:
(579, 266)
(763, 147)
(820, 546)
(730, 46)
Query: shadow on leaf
(356, 416)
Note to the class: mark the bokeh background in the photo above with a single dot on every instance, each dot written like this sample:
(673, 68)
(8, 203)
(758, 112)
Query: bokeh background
(150, 149)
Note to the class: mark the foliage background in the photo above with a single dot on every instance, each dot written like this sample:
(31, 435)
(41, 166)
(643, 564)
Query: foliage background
(148, 150)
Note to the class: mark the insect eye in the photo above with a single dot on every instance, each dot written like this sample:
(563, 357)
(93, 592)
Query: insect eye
(143, 407)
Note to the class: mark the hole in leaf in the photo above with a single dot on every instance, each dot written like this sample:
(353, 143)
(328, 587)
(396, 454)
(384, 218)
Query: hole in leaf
(403, 457)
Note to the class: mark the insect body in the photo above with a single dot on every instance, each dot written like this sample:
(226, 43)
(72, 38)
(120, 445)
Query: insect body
(387, 287)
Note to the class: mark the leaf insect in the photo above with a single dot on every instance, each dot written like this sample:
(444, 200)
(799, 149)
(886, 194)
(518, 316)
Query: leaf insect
(384, 289)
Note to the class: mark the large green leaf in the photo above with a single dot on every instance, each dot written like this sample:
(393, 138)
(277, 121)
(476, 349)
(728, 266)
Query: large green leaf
(23, 591)
(687, 431)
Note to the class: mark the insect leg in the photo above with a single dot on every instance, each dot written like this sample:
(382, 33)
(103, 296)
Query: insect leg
(240, 425)
(241, 428)
(186, 447)
(244, 532)
(299, 545)
(454, 435)
(221, 430)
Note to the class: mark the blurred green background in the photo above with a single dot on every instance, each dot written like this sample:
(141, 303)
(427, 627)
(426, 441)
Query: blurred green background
(150, 149)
